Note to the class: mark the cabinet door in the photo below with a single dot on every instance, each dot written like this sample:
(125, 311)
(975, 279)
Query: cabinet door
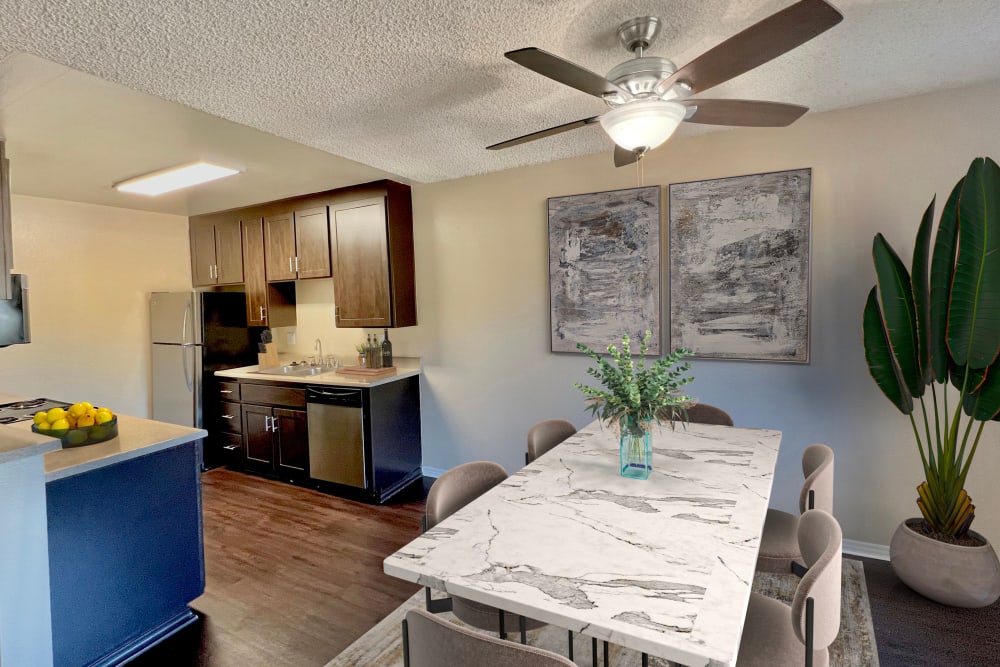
(291, 442)
(254, 278)
(202, 254)
(312, 243)
(279, 247)
(361, 265)
(228, 253)
(258, 441)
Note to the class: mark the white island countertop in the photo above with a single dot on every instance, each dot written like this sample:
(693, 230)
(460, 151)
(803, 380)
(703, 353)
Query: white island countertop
(405, 367)
(136, 437)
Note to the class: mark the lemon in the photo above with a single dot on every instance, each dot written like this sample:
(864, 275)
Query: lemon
(103, 416)
(92, 411)
(76, 409)
(55, 414)
(41, 418)
(59, 424)
(71, 419)
(87, 406)
(85, 420)
(42, 426)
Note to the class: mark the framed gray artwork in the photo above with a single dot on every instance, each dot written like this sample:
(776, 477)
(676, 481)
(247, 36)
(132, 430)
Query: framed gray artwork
(739, 266)
(604, 268)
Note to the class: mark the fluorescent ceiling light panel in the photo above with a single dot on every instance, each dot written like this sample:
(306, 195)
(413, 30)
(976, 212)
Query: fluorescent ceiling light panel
(174, 178)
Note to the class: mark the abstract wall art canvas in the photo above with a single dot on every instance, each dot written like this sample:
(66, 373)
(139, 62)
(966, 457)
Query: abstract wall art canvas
(739, 266)
(604, 268)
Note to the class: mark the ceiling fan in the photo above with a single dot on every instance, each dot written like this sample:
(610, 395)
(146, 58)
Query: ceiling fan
(649, 96)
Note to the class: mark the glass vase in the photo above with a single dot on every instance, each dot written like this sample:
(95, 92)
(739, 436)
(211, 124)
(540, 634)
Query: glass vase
(635, 448)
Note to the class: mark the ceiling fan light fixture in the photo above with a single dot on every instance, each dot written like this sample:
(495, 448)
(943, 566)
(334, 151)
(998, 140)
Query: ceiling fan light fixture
(643, 125)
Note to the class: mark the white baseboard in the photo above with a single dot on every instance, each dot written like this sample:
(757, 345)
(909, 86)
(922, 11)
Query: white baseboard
(432, 472)
(866, 549)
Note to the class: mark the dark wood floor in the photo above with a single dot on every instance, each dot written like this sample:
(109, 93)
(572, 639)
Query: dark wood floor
(293, 576)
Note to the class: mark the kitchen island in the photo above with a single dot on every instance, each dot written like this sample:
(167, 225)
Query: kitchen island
(123, 528)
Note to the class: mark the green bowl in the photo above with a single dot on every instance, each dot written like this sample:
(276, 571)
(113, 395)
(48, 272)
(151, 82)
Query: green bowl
(84, 435)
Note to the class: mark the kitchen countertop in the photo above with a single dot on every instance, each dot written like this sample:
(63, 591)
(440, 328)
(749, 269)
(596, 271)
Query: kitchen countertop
(136, 437)
(405, 367)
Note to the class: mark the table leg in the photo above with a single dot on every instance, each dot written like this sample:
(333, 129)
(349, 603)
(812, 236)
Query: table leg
(503, 629)
(570, 644)
(523, 628)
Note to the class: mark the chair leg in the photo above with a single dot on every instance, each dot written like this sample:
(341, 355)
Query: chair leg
(810, 604)
(523, 627)
(406, 644)
(570, 644)
(503, 627)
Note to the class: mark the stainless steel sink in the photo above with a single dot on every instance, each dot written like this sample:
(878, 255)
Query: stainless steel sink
(294, 371)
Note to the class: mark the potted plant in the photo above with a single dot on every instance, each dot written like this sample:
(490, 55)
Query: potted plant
(634, 397)
(934, 326)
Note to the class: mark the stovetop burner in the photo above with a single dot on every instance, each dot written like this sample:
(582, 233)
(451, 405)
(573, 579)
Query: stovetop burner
(22, 410)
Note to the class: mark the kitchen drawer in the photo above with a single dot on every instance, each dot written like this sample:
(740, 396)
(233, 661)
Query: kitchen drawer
(230, 417)
(264, 394)
(232, 449)
(229, 391)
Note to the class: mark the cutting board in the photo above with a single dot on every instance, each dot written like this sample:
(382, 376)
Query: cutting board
(361, 371)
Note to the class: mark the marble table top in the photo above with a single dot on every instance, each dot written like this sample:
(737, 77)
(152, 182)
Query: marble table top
(663, 566)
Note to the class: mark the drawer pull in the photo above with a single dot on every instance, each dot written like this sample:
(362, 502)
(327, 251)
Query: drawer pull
(226, 391)
(228, 417)
(231, 448)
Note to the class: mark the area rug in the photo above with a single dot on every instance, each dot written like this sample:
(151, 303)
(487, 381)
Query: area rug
(854, 647)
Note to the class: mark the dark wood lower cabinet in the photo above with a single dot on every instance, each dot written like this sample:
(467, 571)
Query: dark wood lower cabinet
(275, 440)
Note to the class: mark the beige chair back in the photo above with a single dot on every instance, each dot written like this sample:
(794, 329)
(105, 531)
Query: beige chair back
(817, 468)
(460, 486)
(820, 541)
(703, 413)
(429, 641)
(545, 435)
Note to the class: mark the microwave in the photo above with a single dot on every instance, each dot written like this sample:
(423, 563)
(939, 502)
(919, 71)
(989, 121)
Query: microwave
(14, 313)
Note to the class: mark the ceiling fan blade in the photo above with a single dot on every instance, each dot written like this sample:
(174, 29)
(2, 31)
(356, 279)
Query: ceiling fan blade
(624, 156)
(558, 129)
(743, 113)
(761, 42)
(564, 71)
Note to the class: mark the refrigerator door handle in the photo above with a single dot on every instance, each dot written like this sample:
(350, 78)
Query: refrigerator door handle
(188, 381)
(184, 324)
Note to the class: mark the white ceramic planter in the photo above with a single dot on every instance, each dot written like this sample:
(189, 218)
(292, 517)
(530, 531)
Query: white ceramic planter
(946, 573)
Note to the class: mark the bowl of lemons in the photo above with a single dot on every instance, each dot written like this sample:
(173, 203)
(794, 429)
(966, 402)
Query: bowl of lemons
(79, 424)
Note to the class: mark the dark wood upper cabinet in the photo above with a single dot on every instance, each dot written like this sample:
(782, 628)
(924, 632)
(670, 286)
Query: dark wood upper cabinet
(371, 243)
(279, 246)
(297, 245)
(267, 305)
(216, 252)
(312, 243)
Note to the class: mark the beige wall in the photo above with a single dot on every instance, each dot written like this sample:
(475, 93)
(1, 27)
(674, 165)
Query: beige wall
(90, 271)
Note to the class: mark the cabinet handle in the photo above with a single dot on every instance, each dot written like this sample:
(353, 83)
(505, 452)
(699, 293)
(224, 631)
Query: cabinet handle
(267, 423)
(262, 313)
(215, 271)
(225, 391)
(296, 264)
(290, 269)
(231, 448)
(228, 417)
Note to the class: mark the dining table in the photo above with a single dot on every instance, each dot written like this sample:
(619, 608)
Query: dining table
(663, 566)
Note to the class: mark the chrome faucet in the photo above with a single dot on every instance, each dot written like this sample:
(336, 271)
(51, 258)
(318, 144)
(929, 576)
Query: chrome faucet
(318, 349)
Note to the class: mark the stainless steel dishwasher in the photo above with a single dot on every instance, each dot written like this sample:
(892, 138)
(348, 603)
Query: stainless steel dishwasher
(336, 435)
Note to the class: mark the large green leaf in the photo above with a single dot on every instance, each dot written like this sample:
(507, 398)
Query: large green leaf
(974, 313)
(880, 360)
(987, 397)
(942, 271)
(919, 277)
(899, 313)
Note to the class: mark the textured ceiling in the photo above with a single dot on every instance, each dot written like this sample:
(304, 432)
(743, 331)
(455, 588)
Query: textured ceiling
(417, 88)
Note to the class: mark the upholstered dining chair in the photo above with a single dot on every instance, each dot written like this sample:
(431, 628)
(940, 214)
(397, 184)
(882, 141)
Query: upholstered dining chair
(779, 545)
(703, 413)
(429, 641)
(776, 634)
(545, 435)
(449, 493)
